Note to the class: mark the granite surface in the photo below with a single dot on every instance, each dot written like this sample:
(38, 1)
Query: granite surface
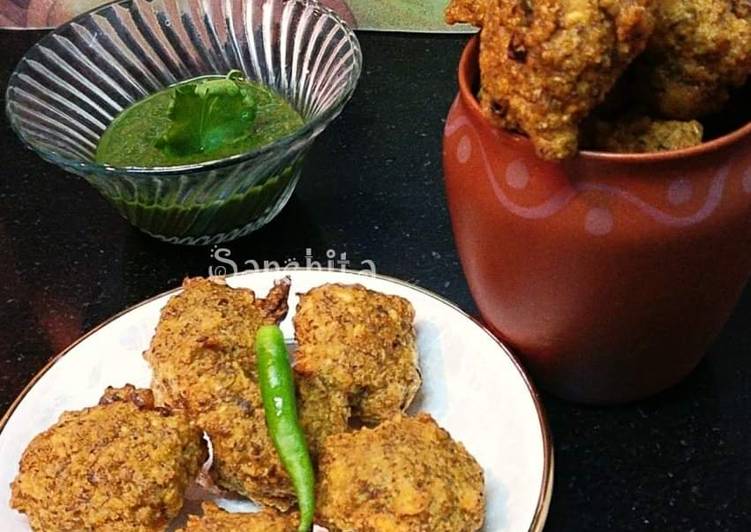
(373, 189)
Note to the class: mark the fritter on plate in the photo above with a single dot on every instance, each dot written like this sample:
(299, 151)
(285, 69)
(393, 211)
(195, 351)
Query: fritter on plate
(204, 362)
(545, 64)
(356, 358)
(123, 465)
(642, 134)
(214, 519)
(700, 50)
(406, 475)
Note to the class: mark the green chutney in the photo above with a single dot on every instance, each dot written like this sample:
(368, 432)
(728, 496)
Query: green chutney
(133, 137)
(199, 120)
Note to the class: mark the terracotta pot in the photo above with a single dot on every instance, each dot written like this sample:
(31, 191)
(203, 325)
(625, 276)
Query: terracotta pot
(609, 274)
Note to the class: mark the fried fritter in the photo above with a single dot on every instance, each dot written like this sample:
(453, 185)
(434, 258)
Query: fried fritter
(466, 11)
(215, 519)
(545, 64)
(642, 134)
(203, 361)
(406, 475)
(120, 466)
(356, 358)
(699, 50)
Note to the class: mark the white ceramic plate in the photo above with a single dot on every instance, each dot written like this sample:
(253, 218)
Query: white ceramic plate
(472, 386)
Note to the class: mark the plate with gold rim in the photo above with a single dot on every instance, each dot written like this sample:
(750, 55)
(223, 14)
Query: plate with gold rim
(472, 385)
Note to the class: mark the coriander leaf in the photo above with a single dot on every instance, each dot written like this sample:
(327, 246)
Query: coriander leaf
(207, 116)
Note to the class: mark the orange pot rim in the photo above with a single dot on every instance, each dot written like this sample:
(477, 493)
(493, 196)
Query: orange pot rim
(468, 70)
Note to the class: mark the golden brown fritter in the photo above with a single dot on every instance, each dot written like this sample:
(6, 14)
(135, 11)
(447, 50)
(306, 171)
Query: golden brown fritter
(545, 64)
(356, 358)
(119, 466)
(466, 11)
(642, 134)
(700, 49)
(406, 475)
(215, 519)
(203, 361)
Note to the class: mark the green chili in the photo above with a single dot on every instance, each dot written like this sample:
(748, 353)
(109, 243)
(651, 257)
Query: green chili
(278, 394)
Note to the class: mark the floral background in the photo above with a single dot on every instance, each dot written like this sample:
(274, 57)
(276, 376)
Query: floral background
(395, 15)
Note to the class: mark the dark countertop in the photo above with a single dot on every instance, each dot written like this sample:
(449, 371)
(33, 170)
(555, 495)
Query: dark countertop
(373, 190)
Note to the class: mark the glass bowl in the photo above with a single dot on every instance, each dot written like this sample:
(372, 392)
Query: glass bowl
(75, 81)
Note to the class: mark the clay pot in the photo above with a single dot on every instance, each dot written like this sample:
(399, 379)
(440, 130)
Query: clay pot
(609, 274)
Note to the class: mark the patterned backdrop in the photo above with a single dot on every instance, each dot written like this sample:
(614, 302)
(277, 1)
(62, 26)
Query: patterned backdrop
(400, 15)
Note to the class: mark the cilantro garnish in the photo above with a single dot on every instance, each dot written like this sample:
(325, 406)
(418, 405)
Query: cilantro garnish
(208, 115)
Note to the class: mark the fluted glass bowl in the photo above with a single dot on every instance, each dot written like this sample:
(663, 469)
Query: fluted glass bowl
(75, 81)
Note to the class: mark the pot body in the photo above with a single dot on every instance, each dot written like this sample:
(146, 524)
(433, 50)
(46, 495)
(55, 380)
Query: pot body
(610, 275)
